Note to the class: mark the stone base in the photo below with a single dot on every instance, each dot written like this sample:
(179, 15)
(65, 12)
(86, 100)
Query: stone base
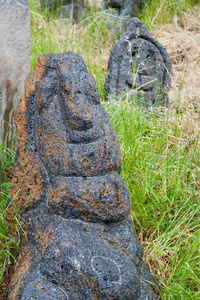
(81, 261)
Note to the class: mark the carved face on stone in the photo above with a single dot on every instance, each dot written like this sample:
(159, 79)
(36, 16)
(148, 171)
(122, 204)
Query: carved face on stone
(72, 137)
(144, 68)
(77, 145)
(81, 244)
(139, 67)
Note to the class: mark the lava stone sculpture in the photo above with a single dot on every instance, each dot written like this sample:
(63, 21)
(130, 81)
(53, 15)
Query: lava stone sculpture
(139, 68)
(121, 11)
(80, 242)
(71, 9)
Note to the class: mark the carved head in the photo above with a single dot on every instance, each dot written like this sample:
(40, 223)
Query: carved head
(72, 133)
(139, 67)
(66, 139)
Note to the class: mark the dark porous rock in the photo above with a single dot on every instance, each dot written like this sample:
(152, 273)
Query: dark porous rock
(121, 11)
(139, 68)
(74, 206)
(71, 9)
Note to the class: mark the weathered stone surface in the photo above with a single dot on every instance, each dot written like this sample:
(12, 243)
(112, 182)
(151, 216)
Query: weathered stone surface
(15, 58)
(71, 9)
(139, 67)
(81, 244)
(121, 11)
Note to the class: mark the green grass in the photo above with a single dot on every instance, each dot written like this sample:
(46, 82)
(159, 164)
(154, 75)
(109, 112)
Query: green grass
(7, 241)
(160, 157)
(156, 12)
(160, 165)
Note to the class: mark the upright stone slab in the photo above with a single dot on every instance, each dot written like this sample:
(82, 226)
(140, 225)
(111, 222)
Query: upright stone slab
(81, 244)
(15, 58)
(71, 9)
(139, 68)
(121, 11)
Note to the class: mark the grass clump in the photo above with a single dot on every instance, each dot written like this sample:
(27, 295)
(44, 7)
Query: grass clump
(157, 12)
(7, 240)
(160, 165)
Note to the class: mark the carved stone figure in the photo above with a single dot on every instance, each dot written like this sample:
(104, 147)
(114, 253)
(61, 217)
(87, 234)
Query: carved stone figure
(121, 11)
(71, 9)
(139, 68)
(80, 242)
(15, 59)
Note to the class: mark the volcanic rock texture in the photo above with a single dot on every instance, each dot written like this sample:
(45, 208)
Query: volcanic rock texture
(81, 244)
(139, 68)
(15, 59)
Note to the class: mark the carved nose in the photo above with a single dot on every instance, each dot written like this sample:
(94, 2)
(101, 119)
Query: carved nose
(82, 116)
(79, 113)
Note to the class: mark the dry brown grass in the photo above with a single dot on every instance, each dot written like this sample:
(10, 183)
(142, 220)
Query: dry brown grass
(181, 38)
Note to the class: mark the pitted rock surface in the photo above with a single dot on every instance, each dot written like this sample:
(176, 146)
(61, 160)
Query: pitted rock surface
(80, 242)
(71, 9)
(139, 68)
(121, 11)
(15, 61)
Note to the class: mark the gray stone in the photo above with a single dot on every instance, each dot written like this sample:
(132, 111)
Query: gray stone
(139, 68)
(81, 244)
(121, 11)
(15, 59)
(71, 9)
